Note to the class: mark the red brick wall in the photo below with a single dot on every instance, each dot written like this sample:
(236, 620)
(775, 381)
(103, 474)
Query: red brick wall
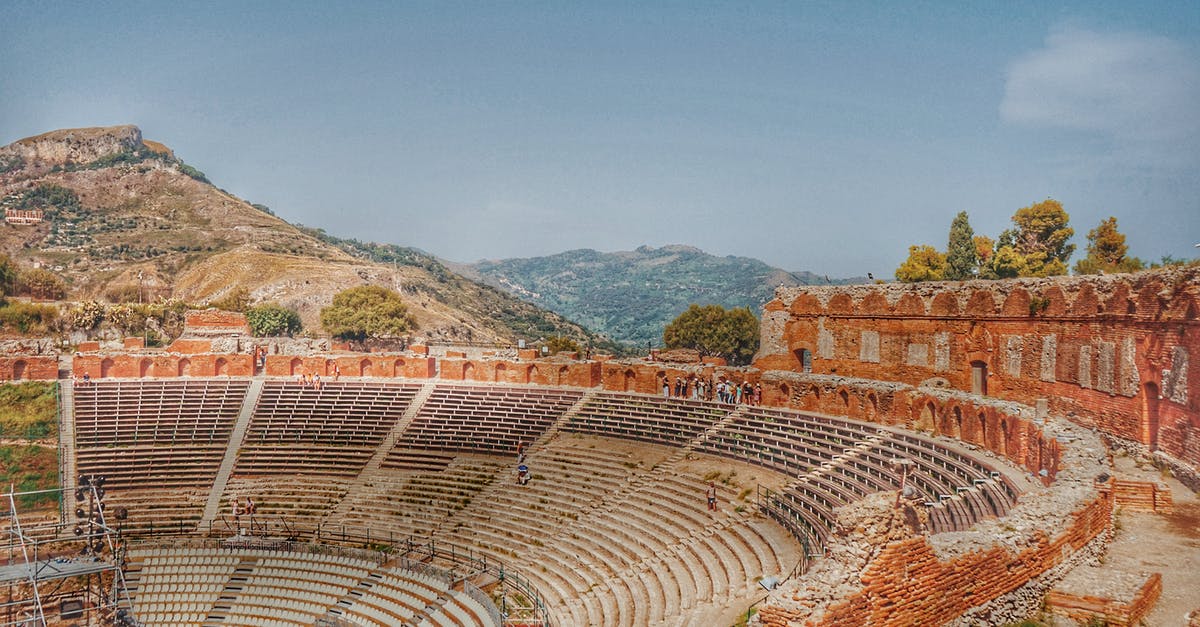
(1096, 348)
(1016, 438)
(162, 365)
(354, 365)
(1114, 613)
(906, 584)
(28, 367)
(218, 321)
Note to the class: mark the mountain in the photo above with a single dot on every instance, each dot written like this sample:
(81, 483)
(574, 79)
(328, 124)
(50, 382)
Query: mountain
(121, 218)
(631, 295)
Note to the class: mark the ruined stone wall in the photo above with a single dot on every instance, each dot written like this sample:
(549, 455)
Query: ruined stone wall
(28, 367)
(906, 584)
(1111, 352)
(1003, 428)
(162, 365)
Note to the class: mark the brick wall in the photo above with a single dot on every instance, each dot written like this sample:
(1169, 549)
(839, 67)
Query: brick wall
(1114, 352)
(1114, 613)
(1143, 496)
(160, 365)
(28, 367)
(906, 584)
(216, 321)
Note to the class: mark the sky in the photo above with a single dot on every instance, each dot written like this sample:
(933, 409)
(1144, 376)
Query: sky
(821, 136)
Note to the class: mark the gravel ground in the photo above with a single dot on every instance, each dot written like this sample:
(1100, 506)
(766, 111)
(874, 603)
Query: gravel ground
(1147, 543)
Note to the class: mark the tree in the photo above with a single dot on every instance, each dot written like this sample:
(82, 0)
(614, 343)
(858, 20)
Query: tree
(713, 331)
(238, 299)
(42, 284)
(8, 276)
(368, 311)
(272, 319)
(962, 259)
(924, 263)
(1040, 238)
(561, 344)
(1106, 251)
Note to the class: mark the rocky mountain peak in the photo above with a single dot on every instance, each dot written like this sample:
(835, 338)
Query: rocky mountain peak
(76, 145)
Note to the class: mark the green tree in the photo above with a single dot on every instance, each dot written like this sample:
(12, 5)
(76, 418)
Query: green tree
(714, 331)
(8, 276)
(368, 311)
(962, 260)
(1107, 252)
(924, 263)
(272, 319)
(561, 344)
(1040, 238)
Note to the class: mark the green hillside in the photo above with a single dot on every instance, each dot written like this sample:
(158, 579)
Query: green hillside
(630, 296)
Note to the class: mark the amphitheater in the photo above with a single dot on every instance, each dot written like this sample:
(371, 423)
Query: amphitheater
(389, 495)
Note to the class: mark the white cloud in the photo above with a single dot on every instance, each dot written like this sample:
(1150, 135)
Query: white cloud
(1139, 90)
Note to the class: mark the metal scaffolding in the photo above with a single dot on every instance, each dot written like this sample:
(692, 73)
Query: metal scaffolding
(63, 568)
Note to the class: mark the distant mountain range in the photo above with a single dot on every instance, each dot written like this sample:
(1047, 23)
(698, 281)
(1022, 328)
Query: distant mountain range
(630, 296)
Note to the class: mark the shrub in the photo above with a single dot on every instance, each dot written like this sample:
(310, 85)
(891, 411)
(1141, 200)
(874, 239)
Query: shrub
(28, 318)
(272, 319)
(41, 283)
(87, 315)
(11, 163)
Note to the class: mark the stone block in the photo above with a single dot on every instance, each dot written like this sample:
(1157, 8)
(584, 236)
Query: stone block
(868, 347)
(918, 355)
(1129, 380)
(1175, 380)
(1012, 355)
(1105, 366)
(826, 344)
(941, 352)
(1049, 361)
(1085, 367)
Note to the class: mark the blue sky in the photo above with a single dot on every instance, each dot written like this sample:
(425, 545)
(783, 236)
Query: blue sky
(815, 136)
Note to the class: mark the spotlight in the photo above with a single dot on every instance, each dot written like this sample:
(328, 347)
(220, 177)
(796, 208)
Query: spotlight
(99, 493)
(79, 496)
(79, 513)
(78, 530)
(85, 480)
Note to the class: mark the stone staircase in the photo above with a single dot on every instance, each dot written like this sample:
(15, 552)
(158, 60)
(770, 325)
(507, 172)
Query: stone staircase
(231, 452)
(372, 468)
(66, 437)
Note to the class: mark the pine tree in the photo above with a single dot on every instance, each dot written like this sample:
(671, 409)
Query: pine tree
(1107, 252)
(961, 257)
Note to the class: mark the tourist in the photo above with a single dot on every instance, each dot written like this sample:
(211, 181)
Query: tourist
(666, 387)
(758, 394)
(522, 474)
(711, 495)
(316, 382)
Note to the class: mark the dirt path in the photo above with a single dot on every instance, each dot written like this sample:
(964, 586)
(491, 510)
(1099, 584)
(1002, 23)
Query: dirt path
(1162, 543)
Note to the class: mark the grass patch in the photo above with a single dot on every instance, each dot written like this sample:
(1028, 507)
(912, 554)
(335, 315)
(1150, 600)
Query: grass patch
(31, 467)
(28, 411)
